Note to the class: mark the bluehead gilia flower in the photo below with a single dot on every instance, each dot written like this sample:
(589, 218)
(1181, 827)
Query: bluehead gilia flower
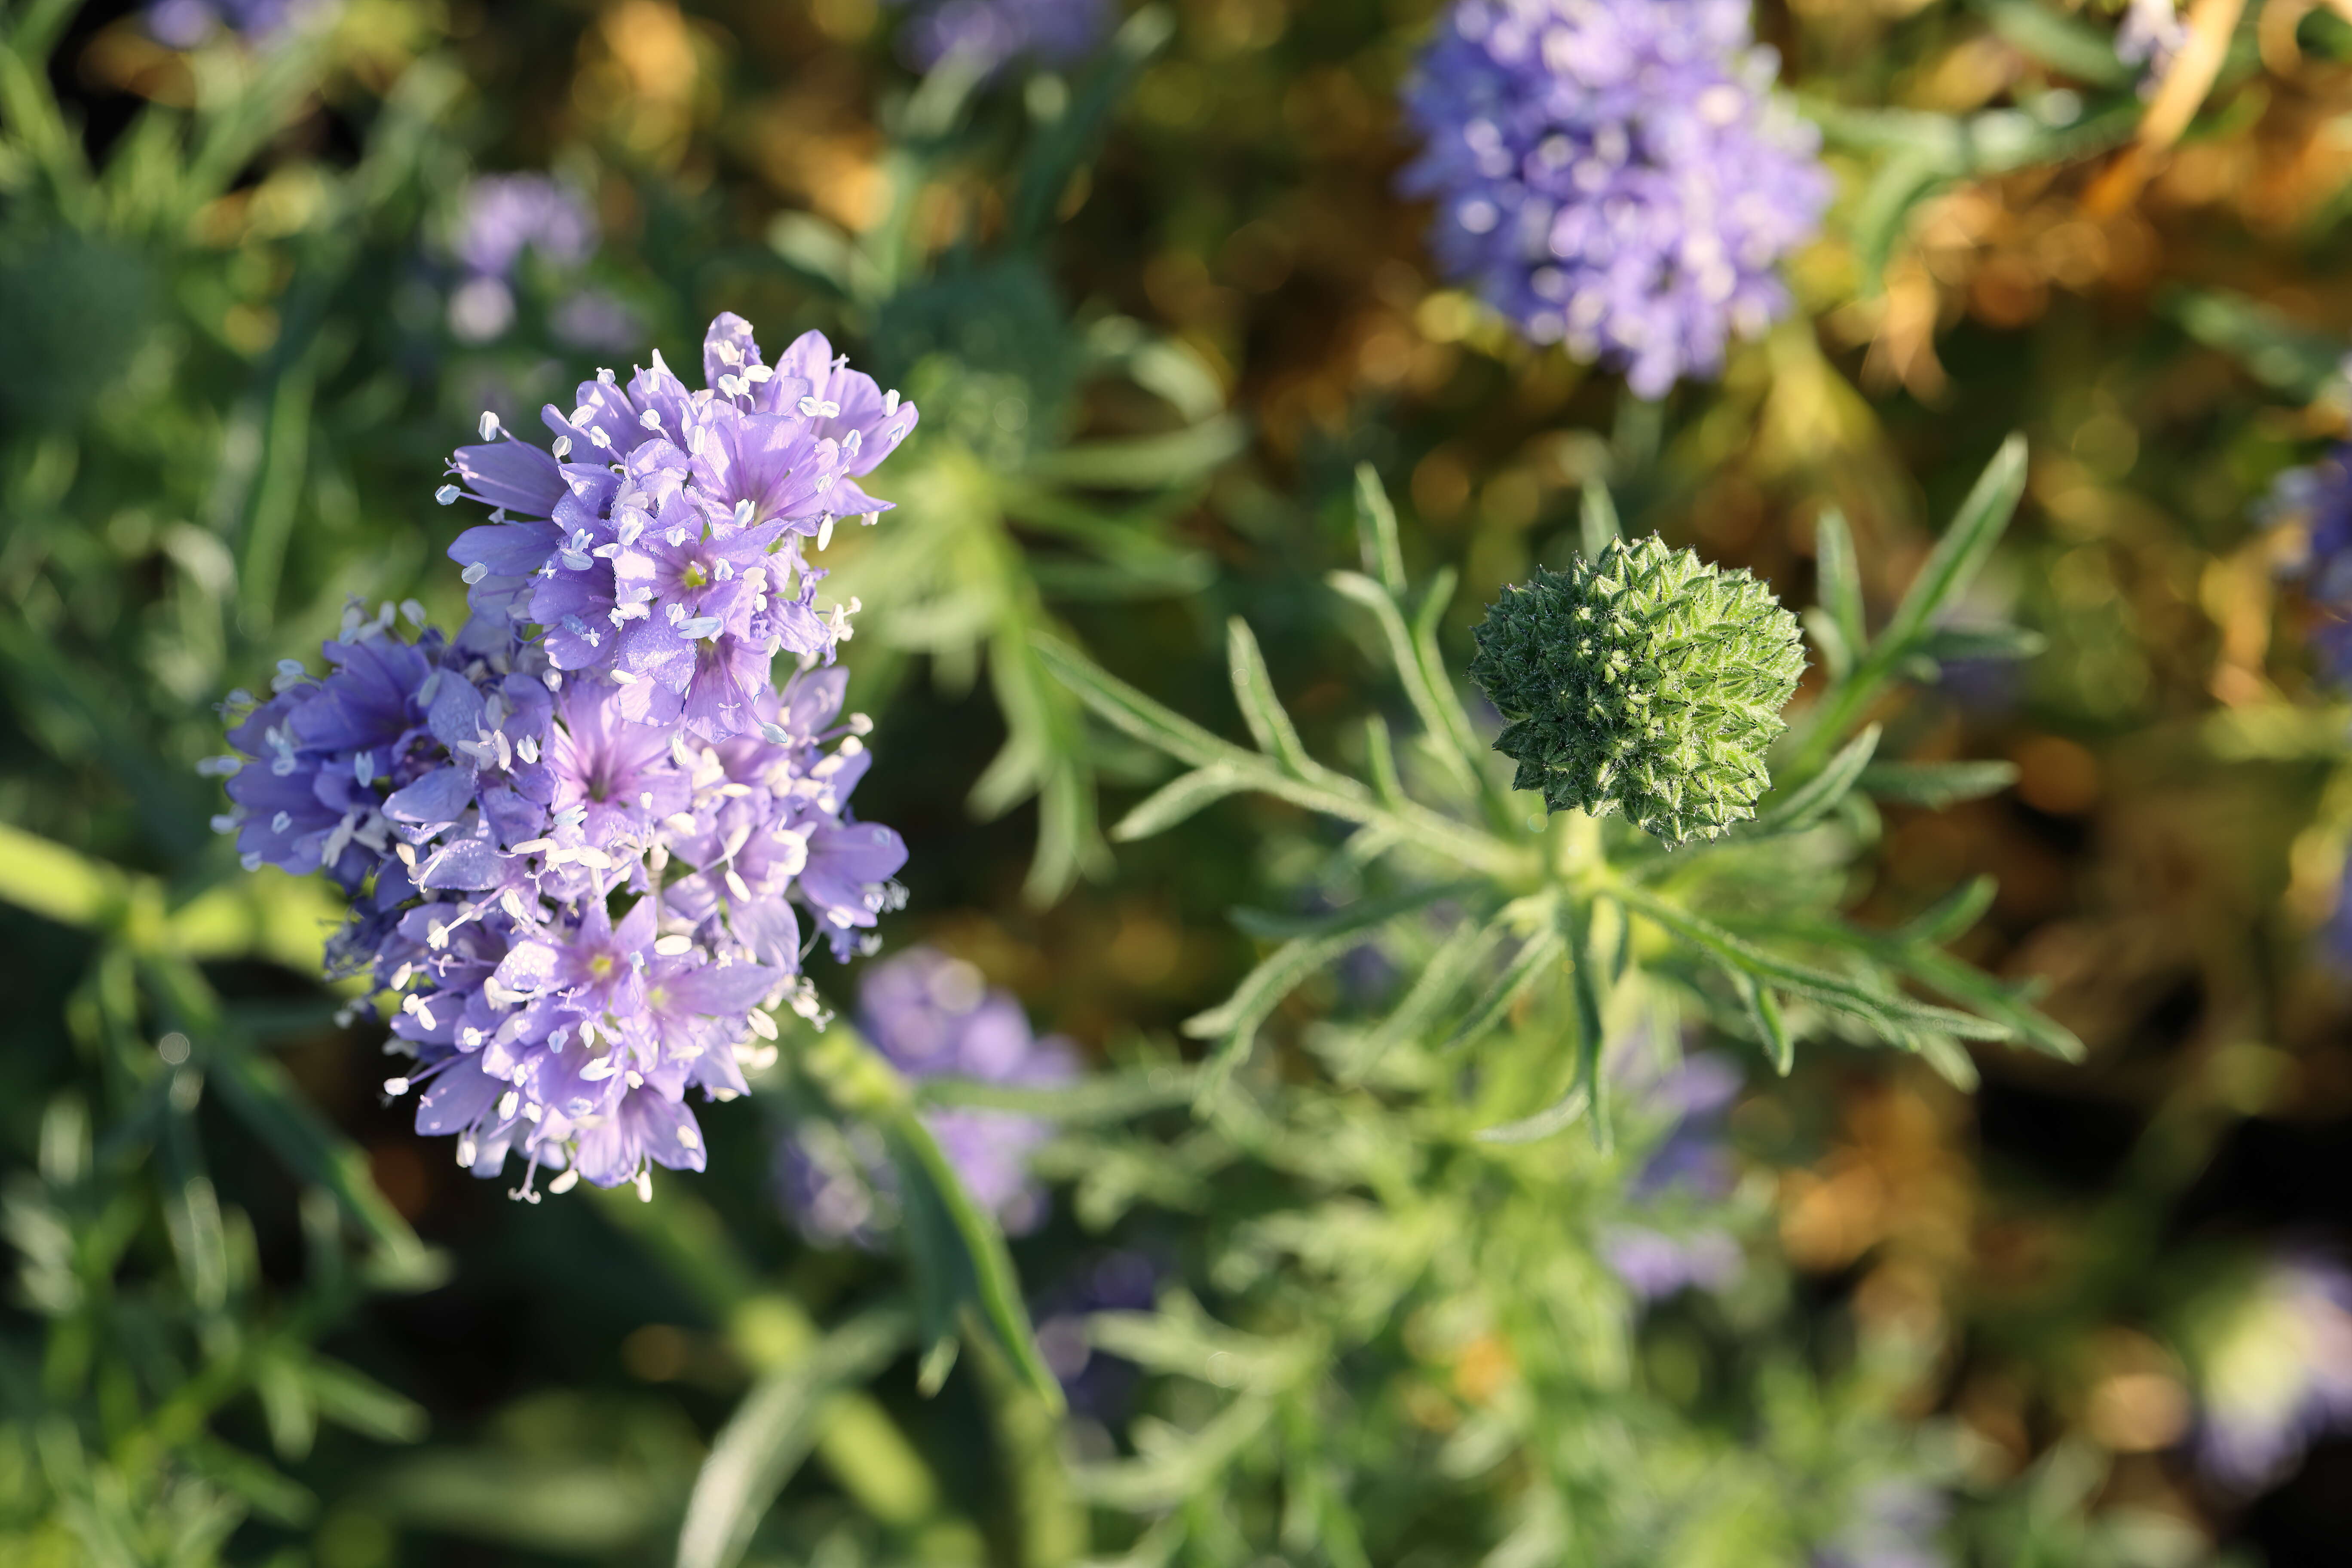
(662, 543)
(2150, 37)
(577, 863)
(933, 1016)
(1096, 1384)
(1614, 175)
(990, 33)
(2318, 498)
(1691, 1164)
(1896, 1525)
(501, 217)
(2274, 1371)
(184, 24)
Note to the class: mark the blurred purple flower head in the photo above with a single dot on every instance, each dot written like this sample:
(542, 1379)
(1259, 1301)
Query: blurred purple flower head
(184, 24)
(502, 217)
(933, 1016)
(1689, 1166)
(1614, 175)
(2319, 499)
(990, 33)
(2275, 1371)
(660, 544)
(506, 215)
(2151, 35)
(1895, 1526)
(1096, 1384)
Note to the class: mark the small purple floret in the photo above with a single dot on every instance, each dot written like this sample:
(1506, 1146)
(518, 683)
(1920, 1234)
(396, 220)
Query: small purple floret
(933, 1016)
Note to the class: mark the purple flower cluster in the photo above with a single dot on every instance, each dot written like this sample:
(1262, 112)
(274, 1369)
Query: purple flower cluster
(990, 33)
(2151, 36)
(2275, 1373)
(501, 218)
(1096, 1384)
(1894, 1525)
(659, 545)
(933, 1016)
(579, 903)
(184, 24)
(1613, 176)
(2319, 499)
(1689, 1163)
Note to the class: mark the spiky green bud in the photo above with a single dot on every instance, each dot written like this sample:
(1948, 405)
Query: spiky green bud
(1644, 680)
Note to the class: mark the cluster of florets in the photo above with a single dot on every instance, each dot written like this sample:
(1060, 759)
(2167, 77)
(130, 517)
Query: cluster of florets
(1644, 680)
(2318, 499)
(577, 903)
(184, 24)
(1614, 175)
(662, 543)
(2151, 37)
(986, 34)
(2274, 1370)
(931, 1017)
(1690, 1167)
(500, 219)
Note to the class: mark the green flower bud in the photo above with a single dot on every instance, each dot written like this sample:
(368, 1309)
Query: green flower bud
(1646, 680)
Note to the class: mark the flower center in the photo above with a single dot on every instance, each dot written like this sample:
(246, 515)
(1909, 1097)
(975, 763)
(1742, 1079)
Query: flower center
(601, 966)
(695, 577)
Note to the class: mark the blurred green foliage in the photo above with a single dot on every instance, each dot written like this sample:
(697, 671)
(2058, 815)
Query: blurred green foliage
(1178, 348)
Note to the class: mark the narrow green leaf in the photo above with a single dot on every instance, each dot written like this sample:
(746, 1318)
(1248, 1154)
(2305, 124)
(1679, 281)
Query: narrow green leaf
(265, 1100)
(1596, 519)
(1455, 719)
(272, 1494)
(1531, 964)
(1441, 979)
(1096, 1099)
(1937, 785)
(960, 1261)
(1363, 915)
(1889, 1013)
(1819, 795)
(1557, 1117)
(1837, 656)
(2057, 39)
(1130, 711)
(352, 1399)
(771, 1434)
(1953, 915)
(1376, 530)
(1965, 546)
(1269, 724)
(1840, 578)
(1145, 462)
(1771, 1025)
(1176, 800)
(1418, 687)
(1588, 981)
(1949, 645)
(2282, 353)
(1379, 756)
